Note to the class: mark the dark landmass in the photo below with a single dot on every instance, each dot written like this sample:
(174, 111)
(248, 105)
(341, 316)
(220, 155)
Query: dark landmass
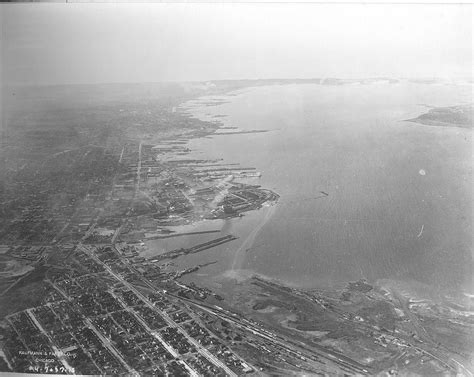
(453, 116)
(365, 326)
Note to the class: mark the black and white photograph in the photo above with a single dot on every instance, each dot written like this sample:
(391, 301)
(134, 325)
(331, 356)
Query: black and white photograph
(236, 189)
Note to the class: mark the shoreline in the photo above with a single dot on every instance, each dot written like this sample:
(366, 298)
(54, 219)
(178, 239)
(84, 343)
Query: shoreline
(459, 116)
(198, 227)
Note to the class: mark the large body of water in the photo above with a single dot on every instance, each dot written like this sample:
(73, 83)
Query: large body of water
(400, 199)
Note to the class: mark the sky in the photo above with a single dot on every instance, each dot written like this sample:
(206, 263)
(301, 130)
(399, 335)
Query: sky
(102, 43)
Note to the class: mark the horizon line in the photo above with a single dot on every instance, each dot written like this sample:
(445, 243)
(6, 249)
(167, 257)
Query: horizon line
(381, 77)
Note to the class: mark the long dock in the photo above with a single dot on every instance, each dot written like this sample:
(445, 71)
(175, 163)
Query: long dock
(182, 234)
(195, 249)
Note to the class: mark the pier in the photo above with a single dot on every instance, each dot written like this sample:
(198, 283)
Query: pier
(195, 249)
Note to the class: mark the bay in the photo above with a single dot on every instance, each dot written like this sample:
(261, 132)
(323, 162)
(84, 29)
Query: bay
(400, 193)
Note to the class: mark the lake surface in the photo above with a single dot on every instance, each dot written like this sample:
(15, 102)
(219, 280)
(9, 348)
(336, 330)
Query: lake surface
(400, 193)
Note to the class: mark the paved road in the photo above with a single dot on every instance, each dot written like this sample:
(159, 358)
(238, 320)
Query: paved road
(57, 352)
(155, 334)
(203, 351)
(139, 168)
(110, 347)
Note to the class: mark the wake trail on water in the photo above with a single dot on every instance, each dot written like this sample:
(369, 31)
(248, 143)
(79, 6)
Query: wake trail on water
(239, 255)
